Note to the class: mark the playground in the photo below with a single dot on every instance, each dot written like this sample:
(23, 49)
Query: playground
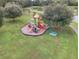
(15, 44)
(35, 26)
(38, 29)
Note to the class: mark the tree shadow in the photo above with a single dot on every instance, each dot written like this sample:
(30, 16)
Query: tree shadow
(14, 21)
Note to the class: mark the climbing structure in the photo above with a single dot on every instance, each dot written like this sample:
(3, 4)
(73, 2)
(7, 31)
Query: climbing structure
(35, 27)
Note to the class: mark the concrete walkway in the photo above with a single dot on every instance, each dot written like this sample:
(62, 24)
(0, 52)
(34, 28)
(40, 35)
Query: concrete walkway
(75, 19)
(74, 29)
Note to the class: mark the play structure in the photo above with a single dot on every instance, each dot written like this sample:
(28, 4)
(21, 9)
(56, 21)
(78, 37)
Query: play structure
(35, 26)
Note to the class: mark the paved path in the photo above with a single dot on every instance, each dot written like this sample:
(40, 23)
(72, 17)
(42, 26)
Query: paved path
(75, 19)
(74, 29)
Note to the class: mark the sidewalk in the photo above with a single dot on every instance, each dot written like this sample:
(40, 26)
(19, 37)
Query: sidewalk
(75, 19)
(74, 29)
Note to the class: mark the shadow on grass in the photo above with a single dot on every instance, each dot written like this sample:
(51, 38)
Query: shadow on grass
(14, 21)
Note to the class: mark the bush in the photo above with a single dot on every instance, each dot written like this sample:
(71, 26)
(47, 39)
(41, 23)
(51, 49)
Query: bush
(58, 16)
(12, 10)
(1, 16)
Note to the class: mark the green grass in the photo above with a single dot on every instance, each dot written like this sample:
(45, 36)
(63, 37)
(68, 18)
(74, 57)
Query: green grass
(15, 45)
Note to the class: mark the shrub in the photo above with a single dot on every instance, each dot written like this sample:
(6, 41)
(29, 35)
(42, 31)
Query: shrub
(58, 16)
(12, 10)
(1, 16)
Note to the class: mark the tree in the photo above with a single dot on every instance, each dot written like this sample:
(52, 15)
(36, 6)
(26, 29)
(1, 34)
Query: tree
(3, 2)
(1, 16)
(58, 16)
(71, 2)
(24, 3)
(12, 10)
(36, 2)
(45, 2)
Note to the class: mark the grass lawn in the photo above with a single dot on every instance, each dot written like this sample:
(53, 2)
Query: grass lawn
(15, 45)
